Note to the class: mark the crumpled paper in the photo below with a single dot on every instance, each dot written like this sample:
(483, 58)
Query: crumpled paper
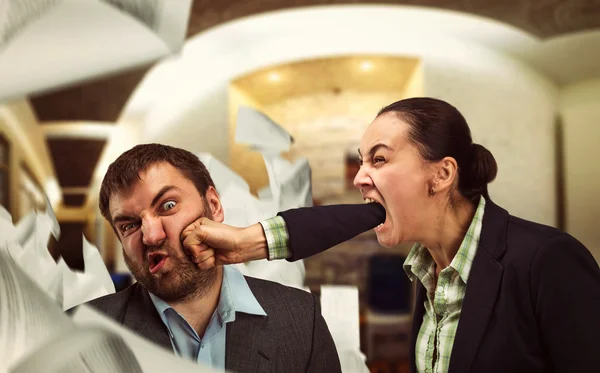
(27, 244)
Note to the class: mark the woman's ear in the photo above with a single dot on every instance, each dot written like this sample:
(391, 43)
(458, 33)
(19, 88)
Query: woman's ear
(446, 172)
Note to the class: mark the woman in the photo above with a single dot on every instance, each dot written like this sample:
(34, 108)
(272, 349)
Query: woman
(495, 293)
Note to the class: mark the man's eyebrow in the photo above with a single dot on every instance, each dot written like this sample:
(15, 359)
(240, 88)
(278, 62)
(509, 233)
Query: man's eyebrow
(164, 190)
(119, 218)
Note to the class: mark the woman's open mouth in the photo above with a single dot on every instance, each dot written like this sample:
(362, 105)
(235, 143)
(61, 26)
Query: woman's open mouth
(380, 226)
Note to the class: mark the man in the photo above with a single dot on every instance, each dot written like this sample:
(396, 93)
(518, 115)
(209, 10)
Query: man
(215, 316)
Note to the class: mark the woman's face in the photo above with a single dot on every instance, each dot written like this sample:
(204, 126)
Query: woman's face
(393, 174)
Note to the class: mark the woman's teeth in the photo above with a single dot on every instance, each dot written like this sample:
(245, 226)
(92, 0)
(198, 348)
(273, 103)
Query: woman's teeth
(370, 200)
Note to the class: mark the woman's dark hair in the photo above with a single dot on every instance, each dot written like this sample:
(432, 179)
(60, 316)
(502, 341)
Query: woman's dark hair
(439, 130)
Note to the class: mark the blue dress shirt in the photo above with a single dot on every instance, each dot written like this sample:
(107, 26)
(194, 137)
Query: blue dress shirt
(236, 296)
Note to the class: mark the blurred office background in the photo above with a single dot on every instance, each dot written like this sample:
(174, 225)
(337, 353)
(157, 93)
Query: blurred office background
(526, 75)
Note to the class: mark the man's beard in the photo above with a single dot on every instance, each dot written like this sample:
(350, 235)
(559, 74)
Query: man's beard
(183, 282)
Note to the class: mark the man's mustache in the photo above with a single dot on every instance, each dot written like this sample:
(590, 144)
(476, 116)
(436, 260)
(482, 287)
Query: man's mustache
(173, 254)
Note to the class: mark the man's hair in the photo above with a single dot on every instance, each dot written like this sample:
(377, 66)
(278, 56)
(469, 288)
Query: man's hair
(124, 172)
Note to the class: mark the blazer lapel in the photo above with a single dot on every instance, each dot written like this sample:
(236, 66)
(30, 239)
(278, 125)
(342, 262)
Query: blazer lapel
(141, 317)
(482, 289)
(416, 323)
(249, 347)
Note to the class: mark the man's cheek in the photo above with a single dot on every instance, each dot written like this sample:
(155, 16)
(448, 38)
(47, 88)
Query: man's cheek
(134, 253)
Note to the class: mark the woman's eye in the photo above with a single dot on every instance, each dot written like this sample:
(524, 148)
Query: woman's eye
(169, 205)
(378, 160)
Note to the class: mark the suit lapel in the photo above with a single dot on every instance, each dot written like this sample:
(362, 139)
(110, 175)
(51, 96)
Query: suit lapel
(141, 317)
(416, 323)
(482, 289)
(249, 347)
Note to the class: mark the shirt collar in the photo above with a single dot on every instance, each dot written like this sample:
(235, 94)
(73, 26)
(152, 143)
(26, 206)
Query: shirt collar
(419, 261)
(235, 296)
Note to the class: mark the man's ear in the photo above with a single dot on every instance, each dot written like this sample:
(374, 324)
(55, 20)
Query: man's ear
(445, 174)
(214, 203)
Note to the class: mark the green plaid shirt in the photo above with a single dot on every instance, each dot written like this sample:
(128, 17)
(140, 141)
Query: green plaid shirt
(444, 301)
(277, 238)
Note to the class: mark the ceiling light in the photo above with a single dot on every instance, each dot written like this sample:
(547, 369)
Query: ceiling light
(366, 66)
(274, 77)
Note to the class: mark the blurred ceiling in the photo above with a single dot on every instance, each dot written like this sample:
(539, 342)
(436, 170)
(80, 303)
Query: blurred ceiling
(333, 74)
(543, 18)
(102, 100)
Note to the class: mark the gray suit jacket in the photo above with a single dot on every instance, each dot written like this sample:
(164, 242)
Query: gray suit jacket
(292, 338)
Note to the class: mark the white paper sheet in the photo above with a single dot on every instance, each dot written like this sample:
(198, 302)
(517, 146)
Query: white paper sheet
(94, 282)
(289, 186)
(295, 186)
(255, 129)
(27, 245)
(28, 316)
(25, 228)
(54, 226)
(152, 358)
(79, 287)
(8, 232)
(69, 41)
(339, 307)
(94, 266)
(82, 349)
(36, 336)
(5, 216)
(222, 175)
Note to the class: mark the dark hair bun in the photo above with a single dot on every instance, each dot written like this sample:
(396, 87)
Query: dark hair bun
(483, 168)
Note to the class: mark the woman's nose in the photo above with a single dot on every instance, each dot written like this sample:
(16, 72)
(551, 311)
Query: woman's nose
(362, 179)
(153, 233)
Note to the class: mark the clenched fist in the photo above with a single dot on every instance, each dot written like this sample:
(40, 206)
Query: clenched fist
(209, 243)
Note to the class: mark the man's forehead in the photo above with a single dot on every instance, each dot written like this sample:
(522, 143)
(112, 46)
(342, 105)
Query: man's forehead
(120, 201)
(147, 183)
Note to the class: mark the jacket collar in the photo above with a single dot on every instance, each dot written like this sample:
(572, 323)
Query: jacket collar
(481, 294)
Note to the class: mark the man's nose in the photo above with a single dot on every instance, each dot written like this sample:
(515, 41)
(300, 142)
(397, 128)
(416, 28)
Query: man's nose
(362, 179)
(153, 233)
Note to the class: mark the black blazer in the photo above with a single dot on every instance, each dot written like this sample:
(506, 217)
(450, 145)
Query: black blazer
(532, 302)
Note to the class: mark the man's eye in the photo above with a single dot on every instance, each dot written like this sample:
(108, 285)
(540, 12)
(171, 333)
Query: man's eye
(127, 227)
(169, 205)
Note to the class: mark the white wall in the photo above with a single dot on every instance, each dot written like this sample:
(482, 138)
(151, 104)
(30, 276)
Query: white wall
(511, 111)
(580, 112)
(508, 105)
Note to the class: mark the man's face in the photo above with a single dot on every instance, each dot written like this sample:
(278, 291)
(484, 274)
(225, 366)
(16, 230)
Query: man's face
(149, 218)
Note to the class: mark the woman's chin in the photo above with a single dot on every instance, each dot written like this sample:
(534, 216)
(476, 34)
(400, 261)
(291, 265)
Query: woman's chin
(385, 238)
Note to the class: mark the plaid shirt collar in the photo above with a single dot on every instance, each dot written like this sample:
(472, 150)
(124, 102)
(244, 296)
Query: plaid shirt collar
(419, 262)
